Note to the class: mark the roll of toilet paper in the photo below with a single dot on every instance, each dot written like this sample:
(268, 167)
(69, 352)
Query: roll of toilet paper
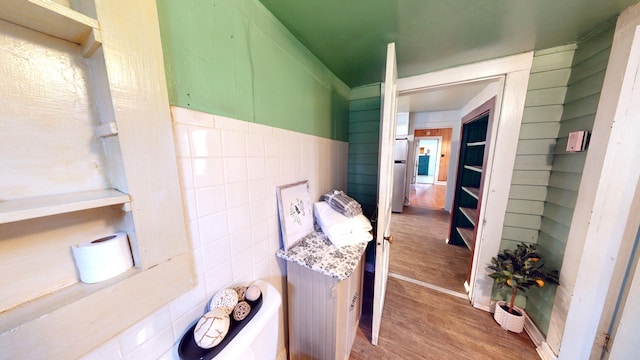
(103, 258)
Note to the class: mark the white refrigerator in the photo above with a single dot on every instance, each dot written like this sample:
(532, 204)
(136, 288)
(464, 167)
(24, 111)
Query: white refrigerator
(399, 174)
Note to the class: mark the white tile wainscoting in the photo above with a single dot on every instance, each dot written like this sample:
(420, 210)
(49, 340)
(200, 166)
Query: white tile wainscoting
(229, 172)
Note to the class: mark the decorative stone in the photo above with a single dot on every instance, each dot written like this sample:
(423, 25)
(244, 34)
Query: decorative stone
(253, 293)
(241, 310)
(224, 299)
(211, 328)
(240, 290)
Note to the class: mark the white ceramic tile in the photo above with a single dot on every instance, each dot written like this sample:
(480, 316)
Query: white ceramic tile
(185, 171)
(171, 354)
(218, 278)
(271, 147)
(261, 250)
(207, 172)
(234, 144)
(198, 262)
(193, 117)
(255, 145)
(246, 277)
(145, 330)
(261, 209)
(235, 169)
(155, 347)
(237, 194)
(257, 190)
(182, 324)
(193, 233)
(274, 243)
(277, 266)
(239, 218)
(255, 168)
(271, 184)
(274, 225)
(192, 299)
(255, 128)
(213, 227)
(272, 167)
(108, 350)
(190, 205)
(226, 123)
(240, 241)
(211, 200)
(242, 264)
(261, 269)
(216, 253)
(205, 142)
(181, 135)
(259, 231)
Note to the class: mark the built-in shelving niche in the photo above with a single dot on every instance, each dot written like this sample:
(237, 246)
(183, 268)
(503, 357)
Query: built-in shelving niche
(467, 202)
(42, 297)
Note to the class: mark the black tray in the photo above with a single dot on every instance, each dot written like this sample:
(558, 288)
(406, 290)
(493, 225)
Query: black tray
(189, 350)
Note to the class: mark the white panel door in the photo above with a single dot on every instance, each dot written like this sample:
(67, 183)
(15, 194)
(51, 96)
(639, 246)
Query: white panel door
(385, 187)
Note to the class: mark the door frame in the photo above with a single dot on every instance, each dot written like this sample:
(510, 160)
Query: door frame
(513, 71)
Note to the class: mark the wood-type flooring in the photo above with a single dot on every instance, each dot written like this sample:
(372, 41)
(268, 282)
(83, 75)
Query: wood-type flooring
(420, 323)
(427, 195)
(419, 250)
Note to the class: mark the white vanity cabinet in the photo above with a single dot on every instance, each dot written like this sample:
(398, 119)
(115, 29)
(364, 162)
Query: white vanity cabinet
(324, 286)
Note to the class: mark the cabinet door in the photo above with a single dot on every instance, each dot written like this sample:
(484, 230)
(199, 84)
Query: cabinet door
(349, 310)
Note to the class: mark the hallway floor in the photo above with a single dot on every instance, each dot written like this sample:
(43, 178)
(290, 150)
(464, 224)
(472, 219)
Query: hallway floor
(423, 324)
(427, 195)
(427, 314)
(419, 250)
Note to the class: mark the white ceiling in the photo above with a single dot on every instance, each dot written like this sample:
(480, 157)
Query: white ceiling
(451, 97)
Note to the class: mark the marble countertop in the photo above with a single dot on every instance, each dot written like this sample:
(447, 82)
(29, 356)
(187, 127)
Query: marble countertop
(317, 253)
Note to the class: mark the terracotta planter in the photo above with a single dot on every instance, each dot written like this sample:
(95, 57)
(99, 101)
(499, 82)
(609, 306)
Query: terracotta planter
(508, 321)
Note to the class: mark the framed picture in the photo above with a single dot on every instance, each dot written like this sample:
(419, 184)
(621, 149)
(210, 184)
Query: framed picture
(295, 212)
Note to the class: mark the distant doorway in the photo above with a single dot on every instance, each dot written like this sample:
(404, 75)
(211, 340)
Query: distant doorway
(427, 161)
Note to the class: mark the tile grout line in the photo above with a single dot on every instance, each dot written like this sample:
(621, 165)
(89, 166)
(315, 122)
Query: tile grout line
(429, 286)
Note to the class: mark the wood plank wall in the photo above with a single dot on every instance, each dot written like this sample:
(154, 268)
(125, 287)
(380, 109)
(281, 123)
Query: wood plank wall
(547, 87)
(446, 148)
(364, 138)
(581, 102)
(540, 125)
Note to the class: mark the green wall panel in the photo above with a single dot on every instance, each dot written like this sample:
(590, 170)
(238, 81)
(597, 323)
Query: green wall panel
(581, 102)
(233, 58)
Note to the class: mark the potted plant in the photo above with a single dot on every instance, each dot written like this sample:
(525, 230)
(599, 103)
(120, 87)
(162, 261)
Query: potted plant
(516, 270)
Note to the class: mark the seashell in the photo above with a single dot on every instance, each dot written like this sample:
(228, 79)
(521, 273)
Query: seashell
(241, 310)
(225, 299)
(211, 328)
(253, 293)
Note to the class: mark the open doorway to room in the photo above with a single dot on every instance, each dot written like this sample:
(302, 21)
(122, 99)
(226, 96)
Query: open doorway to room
(421, 253)
(426, 160)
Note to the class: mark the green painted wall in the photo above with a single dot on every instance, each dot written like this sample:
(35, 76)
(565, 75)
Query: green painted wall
(548, 80)
(580, 105)
(538, 135)
(233, 58)
(364, 138)
(563, 94)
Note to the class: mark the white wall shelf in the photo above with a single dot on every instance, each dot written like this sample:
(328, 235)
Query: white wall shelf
(54, 19)
(31, 208)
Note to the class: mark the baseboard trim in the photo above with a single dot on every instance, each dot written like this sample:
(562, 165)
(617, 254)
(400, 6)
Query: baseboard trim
(282, 354)
(542, 347)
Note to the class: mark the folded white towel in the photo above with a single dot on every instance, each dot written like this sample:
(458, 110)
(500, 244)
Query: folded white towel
(341, 230)
(351, 239)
